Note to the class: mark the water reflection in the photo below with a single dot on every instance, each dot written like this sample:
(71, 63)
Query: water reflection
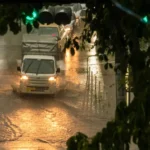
(72, 63)
(49, 124)
(68, 55)
(25, 121)
(94, 66)
(32, 121)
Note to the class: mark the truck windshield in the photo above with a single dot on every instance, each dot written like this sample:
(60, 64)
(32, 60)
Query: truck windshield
(52, 31)
(42, 66)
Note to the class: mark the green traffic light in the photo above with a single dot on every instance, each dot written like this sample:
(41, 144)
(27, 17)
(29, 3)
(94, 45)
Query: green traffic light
(34, 14)
(30, 19)
(145, 19)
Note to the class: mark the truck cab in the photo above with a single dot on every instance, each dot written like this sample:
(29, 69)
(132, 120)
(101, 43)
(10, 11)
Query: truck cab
(38, 74)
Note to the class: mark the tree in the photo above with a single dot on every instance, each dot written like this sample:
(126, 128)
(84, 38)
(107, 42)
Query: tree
(120, 25)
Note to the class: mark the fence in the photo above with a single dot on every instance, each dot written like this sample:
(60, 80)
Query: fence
(100, 89)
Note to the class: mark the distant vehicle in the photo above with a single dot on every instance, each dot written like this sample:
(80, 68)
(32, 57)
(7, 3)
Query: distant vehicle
(70, 27)
(53, 30)
(80, 13)
(83, 14)
(76, 10)
(40, 51)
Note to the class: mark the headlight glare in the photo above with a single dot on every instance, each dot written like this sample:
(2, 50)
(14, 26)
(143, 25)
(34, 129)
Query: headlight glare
(24, 77)
(67, 29)
(52, 79)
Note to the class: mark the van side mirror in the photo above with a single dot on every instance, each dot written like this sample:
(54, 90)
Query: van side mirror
(18, 68)
(58, 70)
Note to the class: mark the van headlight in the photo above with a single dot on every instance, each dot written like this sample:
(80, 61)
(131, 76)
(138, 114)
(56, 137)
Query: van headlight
(24, 78)
(52, 78)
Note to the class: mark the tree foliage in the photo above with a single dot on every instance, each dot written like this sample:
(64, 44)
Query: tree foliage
(13, 15)
(119, 32)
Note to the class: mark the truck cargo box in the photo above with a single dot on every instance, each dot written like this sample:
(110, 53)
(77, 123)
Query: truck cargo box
(40, 45)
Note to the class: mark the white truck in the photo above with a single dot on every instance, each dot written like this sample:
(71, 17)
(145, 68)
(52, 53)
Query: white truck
(40, 51)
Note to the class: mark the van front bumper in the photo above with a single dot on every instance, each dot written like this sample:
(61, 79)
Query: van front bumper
(51, 89)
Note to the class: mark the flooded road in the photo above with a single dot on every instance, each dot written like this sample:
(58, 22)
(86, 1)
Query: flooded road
(43, 122)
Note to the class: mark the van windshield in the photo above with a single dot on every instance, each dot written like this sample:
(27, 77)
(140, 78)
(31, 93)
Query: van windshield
(38, 66)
